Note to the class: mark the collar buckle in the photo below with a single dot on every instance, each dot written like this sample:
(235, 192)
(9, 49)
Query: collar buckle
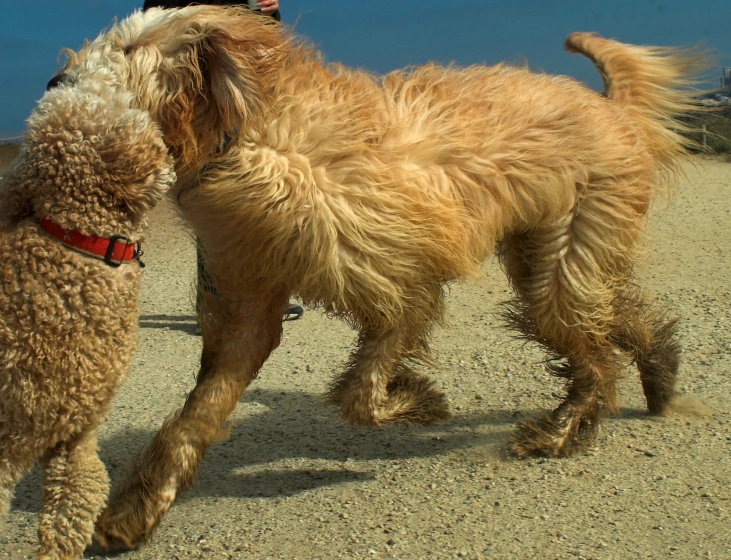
(108, 257)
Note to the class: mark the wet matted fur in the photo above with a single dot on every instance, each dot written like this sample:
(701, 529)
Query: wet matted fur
(68, 322)
(365, 195)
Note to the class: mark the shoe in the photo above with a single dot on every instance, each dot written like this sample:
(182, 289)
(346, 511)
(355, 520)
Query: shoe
(293, 312)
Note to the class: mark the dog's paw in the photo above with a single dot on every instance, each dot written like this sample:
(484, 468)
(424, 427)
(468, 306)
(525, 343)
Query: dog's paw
(412, 398)
(552, 435)
(127, 522)
(113, 536)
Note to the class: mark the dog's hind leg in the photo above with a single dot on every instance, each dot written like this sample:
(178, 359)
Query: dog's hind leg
(238, 336)
(648, 335)
(565, 304)
(75, 487)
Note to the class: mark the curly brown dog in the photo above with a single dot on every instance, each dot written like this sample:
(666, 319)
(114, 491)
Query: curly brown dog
(365, 195)
(90, 168)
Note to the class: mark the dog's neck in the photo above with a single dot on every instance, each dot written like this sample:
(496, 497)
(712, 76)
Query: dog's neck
(114, 251)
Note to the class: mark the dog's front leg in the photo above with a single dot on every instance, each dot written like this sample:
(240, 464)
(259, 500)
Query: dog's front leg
(379, 387)
(238, 336)
(75, 486)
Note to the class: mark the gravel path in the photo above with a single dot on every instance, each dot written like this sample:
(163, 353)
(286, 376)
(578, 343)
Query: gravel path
(294, 482)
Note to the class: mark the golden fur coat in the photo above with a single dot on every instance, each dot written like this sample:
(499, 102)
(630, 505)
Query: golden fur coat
(365, 195)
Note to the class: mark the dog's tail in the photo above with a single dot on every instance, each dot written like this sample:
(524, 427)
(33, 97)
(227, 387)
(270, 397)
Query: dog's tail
(653, 85)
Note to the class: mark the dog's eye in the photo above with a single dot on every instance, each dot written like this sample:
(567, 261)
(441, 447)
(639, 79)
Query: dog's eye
(57, 80)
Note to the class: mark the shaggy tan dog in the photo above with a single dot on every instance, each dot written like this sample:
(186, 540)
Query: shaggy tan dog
(366, 195)
(89, 168)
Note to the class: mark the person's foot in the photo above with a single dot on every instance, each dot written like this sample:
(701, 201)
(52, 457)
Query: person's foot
(293, 312)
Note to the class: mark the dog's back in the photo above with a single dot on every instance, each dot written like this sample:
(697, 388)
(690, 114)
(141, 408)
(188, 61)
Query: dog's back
(515, 149)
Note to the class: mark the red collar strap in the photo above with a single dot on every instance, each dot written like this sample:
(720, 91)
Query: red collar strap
(114, 250)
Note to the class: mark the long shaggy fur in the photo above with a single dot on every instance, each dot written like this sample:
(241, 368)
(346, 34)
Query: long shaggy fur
(365, 195)
(68, 322)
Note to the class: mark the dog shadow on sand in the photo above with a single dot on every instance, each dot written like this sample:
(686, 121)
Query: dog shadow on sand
(185, 323)
(298, 428)
(319, 449)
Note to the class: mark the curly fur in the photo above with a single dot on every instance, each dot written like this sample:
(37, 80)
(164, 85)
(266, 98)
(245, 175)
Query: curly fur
(68, 322)
(365, 195)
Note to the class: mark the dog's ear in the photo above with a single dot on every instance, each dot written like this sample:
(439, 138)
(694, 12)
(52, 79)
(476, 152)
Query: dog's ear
(137, 164)
(217, 65)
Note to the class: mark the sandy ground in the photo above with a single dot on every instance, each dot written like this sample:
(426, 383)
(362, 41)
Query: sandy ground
(294, 482)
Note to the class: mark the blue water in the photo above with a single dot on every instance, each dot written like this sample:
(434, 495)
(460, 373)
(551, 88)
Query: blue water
(380, 35)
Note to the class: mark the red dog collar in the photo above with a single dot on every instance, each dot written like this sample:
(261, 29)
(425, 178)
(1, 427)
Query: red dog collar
(114, 250)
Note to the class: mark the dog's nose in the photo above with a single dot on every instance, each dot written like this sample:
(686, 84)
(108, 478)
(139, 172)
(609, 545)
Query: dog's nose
(56, 80)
